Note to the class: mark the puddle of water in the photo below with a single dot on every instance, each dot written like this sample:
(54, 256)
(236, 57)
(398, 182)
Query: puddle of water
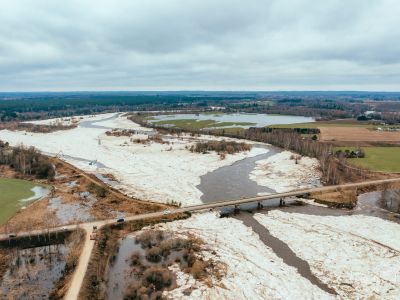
(33, 272)
(123, 273)
(39, 192)
(71, 184)
(69, 212)
(233, 182)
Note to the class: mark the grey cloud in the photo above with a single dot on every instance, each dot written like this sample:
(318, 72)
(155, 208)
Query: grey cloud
(188, 44)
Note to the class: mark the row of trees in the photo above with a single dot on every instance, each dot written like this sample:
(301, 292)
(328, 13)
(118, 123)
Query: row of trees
(334, 169)
(26, 161)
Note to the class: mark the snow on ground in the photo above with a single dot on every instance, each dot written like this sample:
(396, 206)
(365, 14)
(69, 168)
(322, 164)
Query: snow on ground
(281, 173)
(122, 122)
(66, 121)
(253, 270)
(359, 256)
(38, 193)
(157, 172)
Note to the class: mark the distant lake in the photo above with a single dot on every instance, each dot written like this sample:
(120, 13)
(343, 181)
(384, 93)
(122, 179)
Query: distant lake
(259, 120)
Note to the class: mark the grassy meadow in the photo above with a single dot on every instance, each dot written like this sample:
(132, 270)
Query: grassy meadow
(385, 159)
(11, 191)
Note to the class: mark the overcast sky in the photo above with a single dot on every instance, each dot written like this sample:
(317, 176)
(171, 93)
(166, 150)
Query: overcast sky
(199, 45)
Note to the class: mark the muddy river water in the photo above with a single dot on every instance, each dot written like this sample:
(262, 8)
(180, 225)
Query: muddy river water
(233, 182)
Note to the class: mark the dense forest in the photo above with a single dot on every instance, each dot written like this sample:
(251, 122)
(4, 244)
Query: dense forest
(321, 105)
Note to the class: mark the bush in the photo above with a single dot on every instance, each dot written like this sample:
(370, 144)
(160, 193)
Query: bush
(154, 254)
(97, 190)
(221, 147)
(150, 238)
(135, 258)
(159, 278)
(198, 269)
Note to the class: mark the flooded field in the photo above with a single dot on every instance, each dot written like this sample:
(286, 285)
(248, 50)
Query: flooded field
(16, 194)
(35, 267)
(256, 120)
(142, 266)
(33, 272)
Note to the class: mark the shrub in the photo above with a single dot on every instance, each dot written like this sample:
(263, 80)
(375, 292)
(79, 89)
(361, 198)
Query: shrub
(220, 147)
(135, 258)
(97, 190)
(198, 269)
(150, 238)
(159, 278)
(154, 254)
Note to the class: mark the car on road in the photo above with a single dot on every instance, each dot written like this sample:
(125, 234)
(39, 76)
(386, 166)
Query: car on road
(166, 212)
(120, 220)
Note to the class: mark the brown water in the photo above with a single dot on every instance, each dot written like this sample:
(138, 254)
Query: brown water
(122, 274)
(33, 272)
(233, 182)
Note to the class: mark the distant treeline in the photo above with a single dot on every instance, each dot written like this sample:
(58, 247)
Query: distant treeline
(324, 109)
(324, 106)
(67, 105)
(26, 161)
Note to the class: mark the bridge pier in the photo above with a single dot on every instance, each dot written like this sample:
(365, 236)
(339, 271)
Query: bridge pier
(259, 206)
(236, 210)
(282, 202)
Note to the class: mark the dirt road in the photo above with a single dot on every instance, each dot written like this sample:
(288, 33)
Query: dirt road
(80, 271)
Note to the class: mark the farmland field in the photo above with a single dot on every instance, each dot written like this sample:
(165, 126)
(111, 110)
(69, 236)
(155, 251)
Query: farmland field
(357, 134)
(13, 190)
(319, 124)
(386, 159)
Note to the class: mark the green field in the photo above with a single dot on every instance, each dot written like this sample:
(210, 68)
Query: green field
(12, 190)
(386, 159)
(194, 124)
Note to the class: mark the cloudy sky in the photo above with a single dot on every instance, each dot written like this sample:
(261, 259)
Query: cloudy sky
(199, 45)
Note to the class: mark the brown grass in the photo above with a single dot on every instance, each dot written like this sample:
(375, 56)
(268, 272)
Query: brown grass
(358, 134)
(338, 199)
(16, 126)
(108, 242)
(37, 215)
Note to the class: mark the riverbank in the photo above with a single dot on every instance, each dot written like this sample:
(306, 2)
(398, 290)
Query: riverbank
(358, 256)
(287, 171)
